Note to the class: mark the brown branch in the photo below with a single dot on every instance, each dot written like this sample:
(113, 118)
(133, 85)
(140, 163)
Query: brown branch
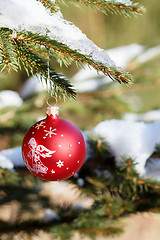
(4, 173)
(110, 214)
(95, 183)
(93, 230)
(135, 10)
(37, 52)
(142, 182)
(49, 5)
(6, 60)
(129, 163)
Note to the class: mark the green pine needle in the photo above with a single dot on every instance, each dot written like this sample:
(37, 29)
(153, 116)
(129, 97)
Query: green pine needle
(66, 55)
(51, 5)
(35, 64)
(8, 56)
(111, 6)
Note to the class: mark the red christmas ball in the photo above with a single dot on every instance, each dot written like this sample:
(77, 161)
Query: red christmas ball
(53, 149)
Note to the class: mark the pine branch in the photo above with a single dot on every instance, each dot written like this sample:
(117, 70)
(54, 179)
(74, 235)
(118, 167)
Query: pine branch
(8, 56)
(157, 150)
(57, 50)
(124, 184)
(67, 55)
(51, 5)
(104, 231)
(34, 62)
(112, 6)
(93, 222)
(128, 171)
(8, 177)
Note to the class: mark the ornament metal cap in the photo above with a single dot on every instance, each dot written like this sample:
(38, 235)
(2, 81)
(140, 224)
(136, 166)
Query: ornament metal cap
(52, 109)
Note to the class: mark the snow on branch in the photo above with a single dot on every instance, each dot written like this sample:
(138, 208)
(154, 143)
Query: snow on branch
(33, 17)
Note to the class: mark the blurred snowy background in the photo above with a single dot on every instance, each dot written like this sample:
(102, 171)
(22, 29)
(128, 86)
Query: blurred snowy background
(123, 116)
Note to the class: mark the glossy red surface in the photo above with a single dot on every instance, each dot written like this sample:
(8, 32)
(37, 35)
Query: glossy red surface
(53, 149)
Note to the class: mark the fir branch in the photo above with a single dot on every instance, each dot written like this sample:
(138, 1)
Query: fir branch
(112, 6)
(157, 151)
(34, 62)
(128, 170)
(112, 207)
(66, 54)
(146, 183)
(51, 5)
(130, 181)
(8, 177)
(93, 223)
(107, 231)
(8, 56)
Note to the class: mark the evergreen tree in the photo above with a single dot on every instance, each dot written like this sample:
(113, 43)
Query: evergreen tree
(32, 41)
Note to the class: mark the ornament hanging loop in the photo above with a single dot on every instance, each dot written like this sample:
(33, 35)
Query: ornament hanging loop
(52, 109)
(48, 99)
(50, 84)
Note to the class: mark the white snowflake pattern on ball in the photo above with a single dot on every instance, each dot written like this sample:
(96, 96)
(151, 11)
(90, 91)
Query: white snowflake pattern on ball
(50, 132)
(52, 171)
(60, 164)
(41, 124)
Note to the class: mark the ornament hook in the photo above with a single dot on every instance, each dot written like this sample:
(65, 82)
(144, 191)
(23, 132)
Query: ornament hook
(52, 109)
(50, 105)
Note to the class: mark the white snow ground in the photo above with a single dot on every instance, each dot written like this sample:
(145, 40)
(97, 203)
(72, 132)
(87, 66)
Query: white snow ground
(10, 98)
(130, 139)
(13, 156)
(33, 85)
(153, 115)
